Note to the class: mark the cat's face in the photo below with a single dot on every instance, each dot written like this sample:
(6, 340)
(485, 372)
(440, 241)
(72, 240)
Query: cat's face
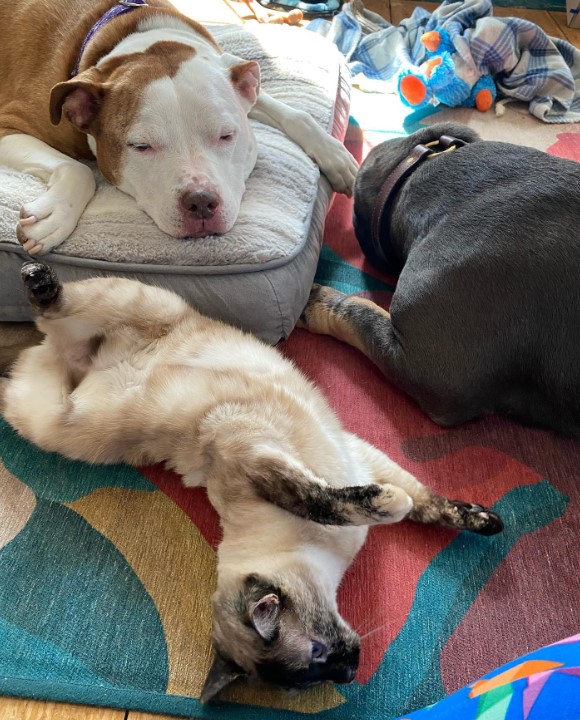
(281, 631)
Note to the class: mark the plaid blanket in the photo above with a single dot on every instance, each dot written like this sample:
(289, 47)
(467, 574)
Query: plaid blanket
(526, 64)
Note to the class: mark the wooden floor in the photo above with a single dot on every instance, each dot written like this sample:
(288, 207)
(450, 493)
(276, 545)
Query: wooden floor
(236, 11)
(553, 23)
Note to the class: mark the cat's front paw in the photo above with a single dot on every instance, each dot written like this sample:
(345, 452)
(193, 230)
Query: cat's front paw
(391, 504)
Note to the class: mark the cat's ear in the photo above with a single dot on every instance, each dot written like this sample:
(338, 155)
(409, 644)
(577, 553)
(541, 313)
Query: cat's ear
(265, 614)
(222, 673)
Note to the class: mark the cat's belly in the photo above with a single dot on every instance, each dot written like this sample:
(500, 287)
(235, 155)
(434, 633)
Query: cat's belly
(336, 549)
(281, 540)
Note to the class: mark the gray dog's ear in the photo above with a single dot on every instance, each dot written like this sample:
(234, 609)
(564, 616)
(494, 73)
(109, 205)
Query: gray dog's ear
(222, 673)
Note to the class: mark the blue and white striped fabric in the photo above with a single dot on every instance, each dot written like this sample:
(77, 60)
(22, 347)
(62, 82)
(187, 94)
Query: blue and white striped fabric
(525, 63)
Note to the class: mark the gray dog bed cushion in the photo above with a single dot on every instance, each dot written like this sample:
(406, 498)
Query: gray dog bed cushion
(259, 274)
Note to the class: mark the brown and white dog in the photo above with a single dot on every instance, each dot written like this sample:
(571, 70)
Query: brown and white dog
(147, 92)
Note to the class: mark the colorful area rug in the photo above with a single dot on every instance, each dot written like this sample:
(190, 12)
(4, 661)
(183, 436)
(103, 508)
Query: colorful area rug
(106, 572)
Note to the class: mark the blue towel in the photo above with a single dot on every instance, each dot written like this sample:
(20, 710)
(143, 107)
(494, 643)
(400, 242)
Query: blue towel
(525, 63)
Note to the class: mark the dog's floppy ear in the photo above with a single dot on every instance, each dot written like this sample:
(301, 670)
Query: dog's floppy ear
(79, 100)
(221, 674)
(245, 77)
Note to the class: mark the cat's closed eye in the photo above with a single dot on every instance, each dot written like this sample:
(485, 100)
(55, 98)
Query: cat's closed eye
(319, 651)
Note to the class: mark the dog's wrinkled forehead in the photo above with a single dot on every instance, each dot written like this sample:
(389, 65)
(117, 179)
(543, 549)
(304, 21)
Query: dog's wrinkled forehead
(194, 105)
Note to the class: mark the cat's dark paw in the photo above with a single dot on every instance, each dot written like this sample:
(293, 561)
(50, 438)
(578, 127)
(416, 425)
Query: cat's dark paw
(41, 283)
(478, 519)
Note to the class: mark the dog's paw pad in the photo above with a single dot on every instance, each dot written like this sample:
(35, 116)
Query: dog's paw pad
(478, 519)
(40, 281)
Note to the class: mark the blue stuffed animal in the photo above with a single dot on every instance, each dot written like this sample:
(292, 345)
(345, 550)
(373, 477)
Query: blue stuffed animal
(445, 78)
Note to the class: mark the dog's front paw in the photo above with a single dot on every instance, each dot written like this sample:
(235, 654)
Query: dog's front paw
(43, 225)
(41, 283)
(338, 165)
(47, 221)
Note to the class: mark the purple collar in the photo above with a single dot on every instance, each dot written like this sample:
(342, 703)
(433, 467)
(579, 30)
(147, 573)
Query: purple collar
(120, 8)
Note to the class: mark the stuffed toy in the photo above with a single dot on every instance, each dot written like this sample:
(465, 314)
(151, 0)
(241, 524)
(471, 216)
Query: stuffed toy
(445, 78)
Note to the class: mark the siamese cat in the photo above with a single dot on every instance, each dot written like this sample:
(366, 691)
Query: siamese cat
(130, 373)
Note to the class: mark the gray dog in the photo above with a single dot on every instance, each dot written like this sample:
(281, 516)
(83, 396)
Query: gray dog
(485, 237)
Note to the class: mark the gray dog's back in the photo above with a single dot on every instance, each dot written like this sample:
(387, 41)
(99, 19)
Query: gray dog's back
(486, 312)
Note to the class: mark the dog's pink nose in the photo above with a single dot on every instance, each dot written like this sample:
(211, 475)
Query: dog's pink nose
(201, 204)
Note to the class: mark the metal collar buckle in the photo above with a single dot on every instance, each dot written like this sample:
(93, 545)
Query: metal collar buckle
(447, 147)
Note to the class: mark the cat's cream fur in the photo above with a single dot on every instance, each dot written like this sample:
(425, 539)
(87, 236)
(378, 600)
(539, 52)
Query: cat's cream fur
(130, 373)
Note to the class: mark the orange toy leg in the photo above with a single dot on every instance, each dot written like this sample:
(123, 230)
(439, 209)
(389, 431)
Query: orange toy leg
(483, 100)
(413, 89)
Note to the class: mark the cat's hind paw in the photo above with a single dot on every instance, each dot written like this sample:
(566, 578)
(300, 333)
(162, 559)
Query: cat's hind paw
(41, 283)
(476, 518)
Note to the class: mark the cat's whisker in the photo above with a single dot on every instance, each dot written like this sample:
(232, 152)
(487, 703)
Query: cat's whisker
(376, 630)
(362, 625)
(365, 623)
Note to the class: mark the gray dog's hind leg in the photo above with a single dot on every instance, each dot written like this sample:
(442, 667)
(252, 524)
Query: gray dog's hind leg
(368, 327)
(354, 320)
(362, 324)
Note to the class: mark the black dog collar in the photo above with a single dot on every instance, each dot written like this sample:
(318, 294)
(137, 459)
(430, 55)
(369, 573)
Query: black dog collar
(392, 184)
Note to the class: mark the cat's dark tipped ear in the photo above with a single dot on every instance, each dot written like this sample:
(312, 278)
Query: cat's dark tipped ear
(265, 614)
(221, 674)
(262, 600)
